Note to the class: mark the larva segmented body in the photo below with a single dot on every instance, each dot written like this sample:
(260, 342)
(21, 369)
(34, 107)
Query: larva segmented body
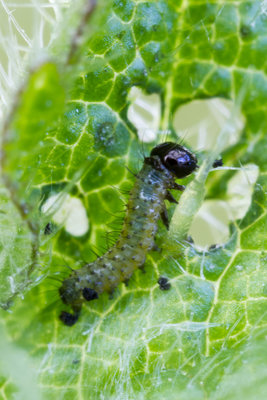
(146, 205)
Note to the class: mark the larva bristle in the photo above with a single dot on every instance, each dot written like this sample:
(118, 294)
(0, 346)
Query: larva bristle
(95, 253)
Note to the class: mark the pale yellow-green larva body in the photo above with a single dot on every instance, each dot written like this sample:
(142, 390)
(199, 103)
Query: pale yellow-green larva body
(145, 206)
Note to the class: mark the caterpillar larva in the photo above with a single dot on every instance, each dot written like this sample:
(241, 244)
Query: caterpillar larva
(166, 162)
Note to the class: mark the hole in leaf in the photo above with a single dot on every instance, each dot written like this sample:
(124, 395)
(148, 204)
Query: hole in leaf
(211, 224)
(69, 212)
(144, 113)
(200, 122)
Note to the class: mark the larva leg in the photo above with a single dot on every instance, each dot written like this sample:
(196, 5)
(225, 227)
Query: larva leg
(156, 248)
(89, 294)
(164, 217)
(175, 186)
(170, 197)
(142, 268)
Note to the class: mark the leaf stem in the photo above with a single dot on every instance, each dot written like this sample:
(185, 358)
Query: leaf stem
(11, 187)
(76, 38)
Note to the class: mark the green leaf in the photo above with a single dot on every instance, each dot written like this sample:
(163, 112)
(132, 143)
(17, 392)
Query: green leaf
(68, 136)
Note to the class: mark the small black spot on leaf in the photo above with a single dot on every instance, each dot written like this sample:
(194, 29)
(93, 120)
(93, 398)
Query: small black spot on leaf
(68, 319)
(164, 283)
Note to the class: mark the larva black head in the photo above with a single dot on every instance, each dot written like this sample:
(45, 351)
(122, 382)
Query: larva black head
(177, 159)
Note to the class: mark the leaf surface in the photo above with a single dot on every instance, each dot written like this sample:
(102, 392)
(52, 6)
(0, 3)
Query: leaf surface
(69, 135)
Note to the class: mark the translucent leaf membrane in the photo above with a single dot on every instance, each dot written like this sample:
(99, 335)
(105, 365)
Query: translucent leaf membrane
(200, 124)
(70, 136)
